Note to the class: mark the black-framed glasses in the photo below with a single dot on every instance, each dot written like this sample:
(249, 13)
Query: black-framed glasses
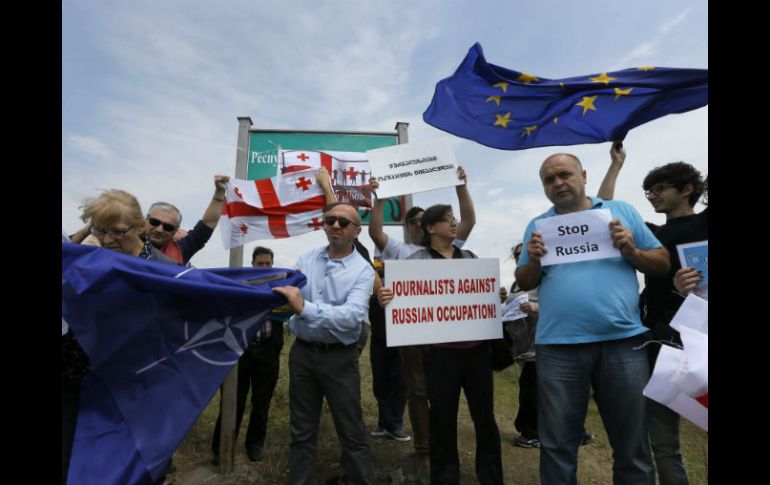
(166, 226)
(344, 222)
(114, 232)
(657, 189)
(415, 221)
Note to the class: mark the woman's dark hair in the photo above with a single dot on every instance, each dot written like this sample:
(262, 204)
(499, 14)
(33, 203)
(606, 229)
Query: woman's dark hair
(433, 214)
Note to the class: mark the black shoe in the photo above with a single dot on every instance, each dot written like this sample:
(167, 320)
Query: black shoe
(254, 453)
(587, 439)
(523, 442)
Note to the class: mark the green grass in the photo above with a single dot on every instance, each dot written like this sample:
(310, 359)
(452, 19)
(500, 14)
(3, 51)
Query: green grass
(520, 466)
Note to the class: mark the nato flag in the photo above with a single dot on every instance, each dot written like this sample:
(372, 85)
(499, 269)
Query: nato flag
(514, 110)
(161, 338)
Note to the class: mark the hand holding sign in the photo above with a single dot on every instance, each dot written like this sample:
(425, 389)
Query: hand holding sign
(536, 247)
(686, 279)
(622, 238)
(385, 296)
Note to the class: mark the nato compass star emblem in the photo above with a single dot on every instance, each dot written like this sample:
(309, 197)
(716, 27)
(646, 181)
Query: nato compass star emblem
(213, 334)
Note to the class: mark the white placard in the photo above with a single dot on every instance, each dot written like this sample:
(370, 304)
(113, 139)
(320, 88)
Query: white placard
(437, 301)
(413, 167)
(580, 236)
(512, 310)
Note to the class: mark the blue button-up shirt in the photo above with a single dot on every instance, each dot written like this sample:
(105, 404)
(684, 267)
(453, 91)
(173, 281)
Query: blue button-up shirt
(336, 297)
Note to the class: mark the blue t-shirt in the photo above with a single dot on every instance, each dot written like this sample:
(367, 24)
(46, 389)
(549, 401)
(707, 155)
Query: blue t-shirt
(591, 301)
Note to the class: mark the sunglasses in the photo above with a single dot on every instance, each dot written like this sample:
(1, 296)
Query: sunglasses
(330, 220)
(166, 226)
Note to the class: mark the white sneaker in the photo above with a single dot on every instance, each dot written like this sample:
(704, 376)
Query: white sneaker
(378, 432)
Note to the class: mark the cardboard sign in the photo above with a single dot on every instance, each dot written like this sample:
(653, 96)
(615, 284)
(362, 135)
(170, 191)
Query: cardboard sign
(437, 301)
(413, 167)
(580, 236)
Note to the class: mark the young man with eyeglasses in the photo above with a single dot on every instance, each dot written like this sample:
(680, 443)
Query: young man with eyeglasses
(163, 220)
(672, 189)
(323, 361)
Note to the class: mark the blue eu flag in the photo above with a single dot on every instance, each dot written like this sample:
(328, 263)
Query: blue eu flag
(514, 110)
(161, 339)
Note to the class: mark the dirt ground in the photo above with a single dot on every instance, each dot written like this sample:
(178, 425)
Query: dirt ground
(395, 462)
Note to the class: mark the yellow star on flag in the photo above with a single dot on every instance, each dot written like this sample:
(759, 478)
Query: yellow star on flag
(622, 92)
(528, 130)
(527, 78)
(556, 120)
(602, 78)
(503, 86)
(503, 120)
(646, 68)
(587, 103)
(561, 85)
(496, 99)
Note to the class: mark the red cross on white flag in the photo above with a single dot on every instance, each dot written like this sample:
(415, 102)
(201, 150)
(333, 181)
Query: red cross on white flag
(349, 172)
(283, 206)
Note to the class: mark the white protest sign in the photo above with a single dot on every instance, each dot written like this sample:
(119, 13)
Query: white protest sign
(436, 301)
(511, 310)
(580, 236)
(413, 167)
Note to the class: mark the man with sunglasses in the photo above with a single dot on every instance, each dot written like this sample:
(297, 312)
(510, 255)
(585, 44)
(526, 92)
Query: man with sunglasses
(163, 220)
(672, 189)
(323, 361)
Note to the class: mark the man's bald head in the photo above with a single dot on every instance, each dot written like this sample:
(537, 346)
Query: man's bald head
(562, 156)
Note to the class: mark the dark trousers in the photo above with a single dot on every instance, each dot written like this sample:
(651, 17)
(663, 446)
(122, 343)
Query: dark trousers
(526, 419)
(387, 385)
(70, 401)
(333, 374)
(413, 372)
(257, 368)
(448, 371)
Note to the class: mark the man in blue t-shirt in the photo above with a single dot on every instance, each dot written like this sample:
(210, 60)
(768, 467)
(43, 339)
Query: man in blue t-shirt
(589, 333)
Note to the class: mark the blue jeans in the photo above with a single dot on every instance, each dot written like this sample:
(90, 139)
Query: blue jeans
(387, 385)
(663, 425)
(565, 375)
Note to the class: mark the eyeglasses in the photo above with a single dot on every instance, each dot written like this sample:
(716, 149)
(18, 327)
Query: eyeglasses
(449, 219)
(166, 226)
(344, 222)
(113, 232)
(657, 189)
(414, 221)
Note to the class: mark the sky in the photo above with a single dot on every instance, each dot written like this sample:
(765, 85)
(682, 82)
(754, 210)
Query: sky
(151, 92)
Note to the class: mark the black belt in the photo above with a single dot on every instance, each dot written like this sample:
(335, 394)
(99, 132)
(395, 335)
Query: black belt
(323, 346)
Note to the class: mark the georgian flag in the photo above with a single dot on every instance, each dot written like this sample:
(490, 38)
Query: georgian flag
(286, 205)
(349, 172)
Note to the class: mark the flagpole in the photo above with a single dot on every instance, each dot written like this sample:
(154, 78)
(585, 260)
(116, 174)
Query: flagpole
(230, 384)
(406, 200)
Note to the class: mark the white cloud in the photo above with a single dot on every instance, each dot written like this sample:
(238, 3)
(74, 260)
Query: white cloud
(90, 146)
(154, 89)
